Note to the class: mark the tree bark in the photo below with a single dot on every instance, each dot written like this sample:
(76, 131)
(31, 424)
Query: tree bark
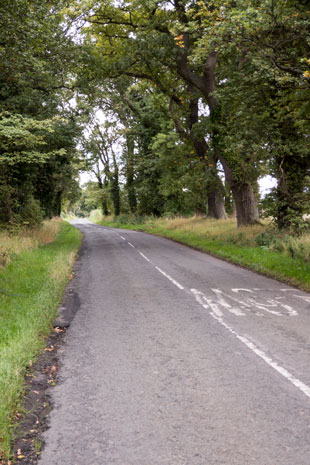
(216, 203)
(292, 172)
(115, 193)
(246, 204)
(131, 192)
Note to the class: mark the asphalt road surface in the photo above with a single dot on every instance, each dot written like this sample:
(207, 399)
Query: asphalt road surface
(177, 358)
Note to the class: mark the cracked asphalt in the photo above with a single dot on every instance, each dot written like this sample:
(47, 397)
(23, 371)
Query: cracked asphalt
(177, 358)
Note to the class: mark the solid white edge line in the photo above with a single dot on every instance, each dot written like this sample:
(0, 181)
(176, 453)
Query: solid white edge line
(170, 278)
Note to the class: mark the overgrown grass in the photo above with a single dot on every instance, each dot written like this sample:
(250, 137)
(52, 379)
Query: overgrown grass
(12, 244)
(31, 287)
(259, 248)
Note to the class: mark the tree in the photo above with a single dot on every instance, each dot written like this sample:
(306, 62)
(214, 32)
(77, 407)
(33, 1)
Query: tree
(37, 144)
(268, 92)
(149, 41)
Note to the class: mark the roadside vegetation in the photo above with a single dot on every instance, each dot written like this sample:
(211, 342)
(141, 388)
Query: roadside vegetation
(11, 244)
(34, 270)
(260, 247)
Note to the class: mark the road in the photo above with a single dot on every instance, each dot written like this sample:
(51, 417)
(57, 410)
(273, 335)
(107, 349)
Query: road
(177, 358)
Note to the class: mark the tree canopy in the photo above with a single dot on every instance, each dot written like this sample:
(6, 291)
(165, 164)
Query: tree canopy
(198, 100)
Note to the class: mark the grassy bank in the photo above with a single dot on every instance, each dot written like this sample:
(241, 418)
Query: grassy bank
(31, 285)
(258, 248)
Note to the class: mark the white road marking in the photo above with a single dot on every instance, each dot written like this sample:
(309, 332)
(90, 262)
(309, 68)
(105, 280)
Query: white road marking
(217, 315)
(236, 311)
(145, 257)
(122, 237)
(205, 302)
(303, 297)
(260, 353)
(131, 245)
(170, 278)
(268, 303)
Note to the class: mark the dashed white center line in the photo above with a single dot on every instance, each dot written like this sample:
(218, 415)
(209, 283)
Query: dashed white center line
(170, 278)
(145, 257)
(122, 237)
(131, 245)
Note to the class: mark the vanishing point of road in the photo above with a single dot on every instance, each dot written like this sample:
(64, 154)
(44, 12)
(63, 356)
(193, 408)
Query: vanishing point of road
(177, 358)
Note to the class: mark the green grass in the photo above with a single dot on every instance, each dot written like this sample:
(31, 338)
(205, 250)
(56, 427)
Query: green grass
(31, 287)
(285, 259)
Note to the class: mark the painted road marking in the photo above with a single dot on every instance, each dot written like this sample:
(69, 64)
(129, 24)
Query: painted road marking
(170, 278)
(260, 353)
(145, 257)
(220, 296)
(206, 303)
(122, 237)
(268, 305)
(131, 245)
(216, 313)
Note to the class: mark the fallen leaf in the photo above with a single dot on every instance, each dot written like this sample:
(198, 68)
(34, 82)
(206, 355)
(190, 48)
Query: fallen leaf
(49, 349)
(53, 369)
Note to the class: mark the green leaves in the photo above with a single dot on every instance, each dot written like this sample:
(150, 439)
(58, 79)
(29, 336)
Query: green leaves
(23, 139)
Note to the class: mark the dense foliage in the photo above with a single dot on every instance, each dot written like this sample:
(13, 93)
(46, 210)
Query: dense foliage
(37, 132)
(179, 107)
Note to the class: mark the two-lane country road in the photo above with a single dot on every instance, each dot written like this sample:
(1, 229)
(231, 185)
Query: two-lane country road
(177, 358)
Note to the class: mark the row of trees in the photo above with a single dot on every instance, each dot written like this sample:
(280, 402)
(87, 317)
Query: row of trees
(175, 106)
(199, 87)
(38, 131)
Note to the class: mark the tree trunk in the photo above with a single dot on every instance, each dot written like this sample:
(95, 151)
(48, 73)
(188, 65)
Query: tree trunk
(216, 198)
(244, 196)
(104, 205)
(131, 192)
(246, 204)
(115, 194)
(216, 204)
(290, 191)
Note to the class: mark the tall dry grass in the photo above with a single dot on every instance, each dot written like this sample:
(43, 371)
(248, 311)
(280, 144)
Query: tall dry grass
(222, 230)
(13, 244)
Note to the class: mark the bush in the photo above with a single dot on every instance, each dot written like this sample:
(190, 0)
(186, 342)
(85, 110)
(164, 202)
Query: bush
(30, 213)
(264, 239)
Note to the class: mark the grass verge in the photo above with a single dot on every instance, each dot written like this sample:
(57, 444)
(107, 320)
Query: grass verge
(31, 287)
(12, 244)
(257, 248)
